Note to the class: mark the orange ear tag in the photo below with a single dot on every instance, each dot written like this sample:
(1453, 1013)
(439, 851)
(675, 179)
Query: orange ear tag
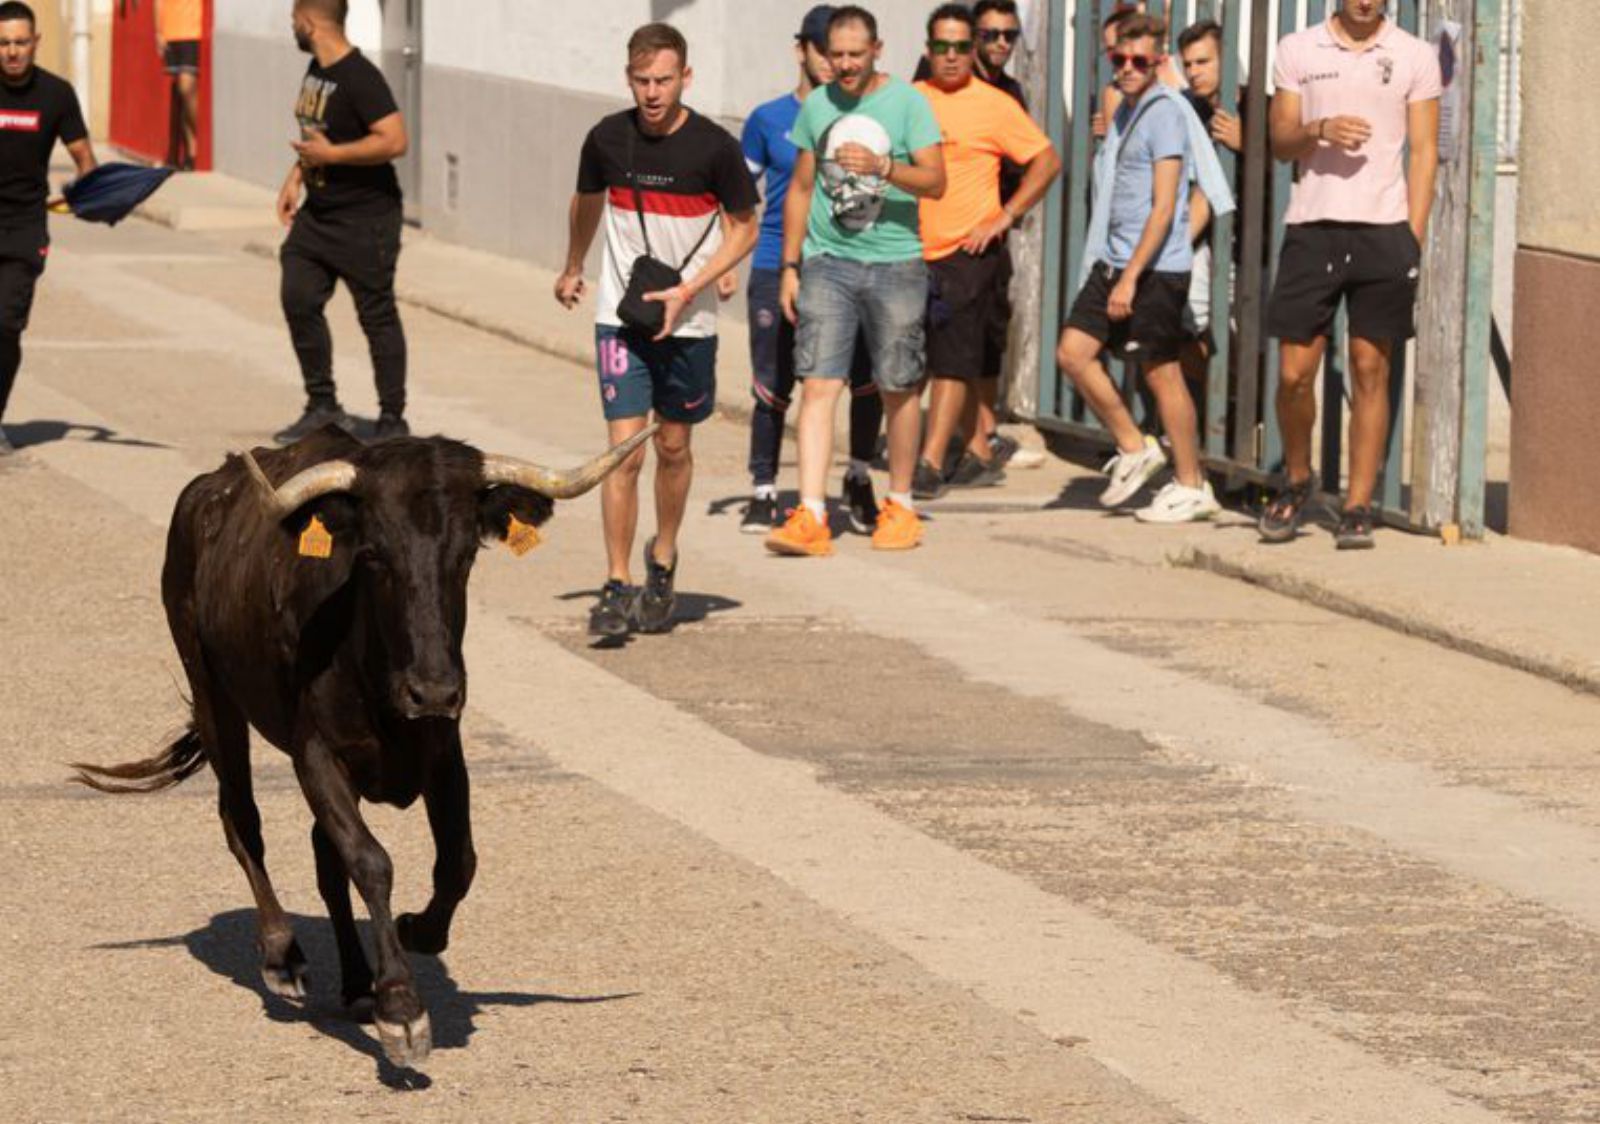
(521, 537)
(315, 541)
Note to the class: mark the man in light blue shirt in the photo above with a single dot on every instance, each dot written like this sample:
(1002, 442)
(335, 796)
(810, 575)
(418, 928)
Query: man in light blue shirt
(1136, 290)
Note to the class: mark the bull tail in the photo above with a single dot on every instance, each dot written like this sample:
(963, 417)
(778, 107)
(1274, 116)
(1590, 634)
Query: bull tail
(182, 758)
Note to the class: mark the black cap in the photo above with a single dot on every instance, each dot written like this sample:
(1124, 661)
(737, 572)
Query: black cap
(814, 28)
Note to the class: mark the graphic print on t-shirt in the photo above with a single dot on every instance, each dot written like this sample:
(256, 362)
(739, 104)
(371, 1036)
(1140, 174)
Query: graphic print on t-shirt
(20, 121)
(857, 200)
(311, 111)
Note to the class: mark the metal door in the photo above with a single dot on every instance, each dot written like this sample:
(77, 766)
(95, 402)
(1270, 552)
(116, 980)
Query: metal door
(402, 66)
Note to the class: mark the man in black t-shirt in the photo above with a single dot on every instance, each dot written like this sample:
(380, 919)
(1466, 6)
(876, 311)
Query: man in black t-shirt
(349, 226)
(36, 109)
(672, 184)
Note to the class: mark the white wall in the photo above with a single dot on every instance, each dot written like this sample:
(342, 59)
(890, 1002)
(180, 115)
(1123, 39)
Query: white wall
(269, 19)
(739, 49)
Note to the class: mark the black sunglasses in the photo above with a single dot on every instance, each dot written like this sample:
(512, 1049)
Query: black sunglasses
(950, 46)
(1141, 63)
(995, 34)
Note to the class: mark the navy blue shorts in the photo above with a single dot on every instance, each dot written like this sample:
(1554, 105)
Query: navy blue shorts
(676, 377)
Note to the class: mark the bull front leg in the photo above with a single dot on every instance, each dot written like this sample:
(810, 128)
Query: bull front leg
(398, 1014)
(445, 794)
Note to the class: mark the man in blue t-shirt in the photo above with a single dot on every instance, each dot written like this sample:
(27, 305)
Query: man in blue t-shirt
(1138, 287)
(770, 154)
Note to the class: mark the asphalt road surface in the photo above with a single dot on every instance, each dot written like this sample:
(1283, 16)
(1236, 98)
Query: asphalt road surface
(1011, 828)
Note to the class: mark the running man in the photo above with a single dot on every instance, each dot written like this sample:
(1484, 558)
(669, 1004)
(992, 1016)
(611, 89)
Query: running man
(1354, 94)
(770, 153)
(37, 108)
(667, 183)
(869, 149)
(349, 226)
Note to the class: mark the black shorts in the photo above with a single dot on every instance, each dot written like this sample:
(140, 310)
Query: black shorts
(23, 253)
(1155, 333)
(182, 56)
(998, 327)
(962, 291)
(1372, 267)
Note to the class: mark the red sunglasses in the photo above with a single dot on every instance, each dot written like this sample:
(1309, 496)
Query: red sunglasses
(1141, 63)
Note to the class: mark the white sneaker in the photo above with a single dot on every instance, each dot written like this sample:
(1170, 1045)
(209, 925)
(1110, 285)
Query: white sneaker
(1177, 503)
(1130, 471)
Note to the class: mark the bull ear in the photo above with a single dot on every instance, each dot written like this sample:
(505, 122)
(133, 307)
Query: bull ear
(498, 504)
(303, 584)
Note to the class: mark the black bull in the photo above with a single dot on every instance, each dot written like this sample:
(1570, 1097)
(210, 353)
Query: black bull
(350, 663)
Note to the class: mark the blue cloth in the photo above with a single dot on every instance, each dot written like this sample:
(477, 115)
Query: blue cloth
(769, 153)
(1204, 168)
(109, 192)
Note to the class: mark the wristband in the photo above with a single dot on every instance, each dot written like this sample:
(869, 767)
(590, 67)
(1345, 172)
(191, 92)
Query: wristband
(794, 265)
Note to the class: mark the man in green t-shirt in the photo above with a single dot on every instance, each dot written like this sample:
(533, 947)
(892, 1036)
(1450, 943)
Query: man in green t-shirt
(869, 148)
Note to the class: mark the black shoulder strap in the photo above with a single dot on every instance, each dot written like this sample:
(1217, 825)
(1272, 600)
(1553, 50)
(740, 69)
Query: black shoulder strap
(638, 204)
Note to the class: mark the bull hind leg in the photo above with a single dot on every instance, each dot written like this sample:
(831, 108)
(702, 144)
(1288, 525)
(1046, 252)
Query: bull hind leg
(334, 883)
(227, 738)
(455, 862)
(398, 1014)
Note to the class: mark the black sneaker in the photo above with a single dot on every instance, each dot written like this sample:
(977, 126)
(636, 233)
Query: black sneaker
(1355, 530)
(315, 417)
(613, 613)
(1002, 449)
(760, 515)
(927, 483)
(1280, 519)
(974, 473)
(861, 503)
(656, 599)
(390, 425)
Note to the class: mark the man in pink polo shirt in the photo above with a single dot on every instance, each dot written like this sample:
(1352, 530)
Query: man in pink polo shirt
(1352, 94)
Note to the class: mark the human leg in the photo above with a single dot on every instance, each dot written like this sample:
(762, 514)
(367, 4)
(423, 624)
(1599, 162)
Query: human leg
(1369, 416)
(368, 259)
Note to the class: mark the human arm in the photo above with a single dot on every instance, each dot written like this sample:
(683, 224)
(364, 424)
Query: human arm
(1199, 214)
(82, 153)
(1422, 136)
(583, 219)
(1037, 176)
(385, 141)
(1227, 130)
(1294, 139)
(1164, 206)
(796, 214)
(289, 194)
(923, 176)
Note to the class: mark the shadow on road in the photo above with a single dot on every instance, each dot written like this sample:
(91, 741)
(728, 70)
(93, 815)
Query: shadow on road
(24, 434)
(227, 946)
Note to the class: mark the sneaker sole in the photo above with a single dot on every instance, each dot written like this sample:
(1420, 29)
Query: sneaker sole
(755, 528)
(862, 526)
(1143, 479)
(1197, 517)
(1354, 544)
(609, 632)
(912, 545)
(797, 550)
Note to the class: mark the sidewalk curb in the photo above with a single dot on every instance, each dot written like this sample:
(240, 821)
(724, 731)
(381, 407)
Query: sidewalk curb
(1323, 596)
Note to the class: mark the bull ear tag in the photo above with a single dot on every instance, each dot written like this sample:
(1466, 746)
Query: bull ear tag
(521, 537)
(315, 541)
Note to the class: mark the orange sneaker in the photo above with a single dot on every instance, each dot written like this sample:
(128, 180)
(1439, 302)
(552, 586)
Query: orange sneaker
(898, 528)
(801, 534)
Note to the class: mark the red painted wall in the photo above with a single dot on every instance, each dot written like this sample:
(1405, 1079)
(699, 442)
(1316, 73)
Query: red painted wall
(141, 92)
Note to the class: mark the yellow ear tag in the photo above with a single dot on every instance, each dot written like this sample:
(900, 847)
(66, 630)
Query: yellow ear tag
(315, 541)
(521, 537)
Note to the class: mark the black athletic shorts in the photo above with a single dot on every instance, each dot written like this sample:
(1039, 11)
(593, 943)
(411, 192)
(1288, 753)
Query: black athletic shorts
(182, 56)
(962, 292)
(1374, 268)
(998, 328)
(1155, 333)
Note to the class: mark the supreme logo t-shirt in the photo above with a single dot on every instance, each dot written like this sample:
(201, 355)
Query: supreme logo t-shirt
(33, 116)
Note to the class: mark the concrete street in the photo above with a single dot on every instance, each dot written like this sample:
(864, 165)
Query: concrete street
(1054, 819)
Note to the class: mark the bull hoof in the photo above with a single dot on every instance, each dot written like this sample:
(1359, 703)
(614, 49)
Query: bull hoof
(415, 936)
(406, 1043)
(286, 982)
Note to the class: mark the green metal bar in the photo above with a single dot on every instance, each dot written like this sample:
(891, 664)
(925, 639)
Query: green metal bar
(1086, 85)
(1251, 312)
(1282, 183)
(1333, 394)
(1223, 229)
(1050, 303)
(1480, 270)
(1392, 477)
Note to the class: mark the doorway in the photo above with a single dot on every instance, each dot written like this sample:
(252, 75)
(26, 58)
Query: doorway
(402, 66)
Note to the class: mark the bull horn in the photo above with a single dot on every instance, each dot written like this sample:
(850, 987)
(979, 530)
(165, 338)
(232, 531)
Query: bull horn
(561, 485)
(303, 487)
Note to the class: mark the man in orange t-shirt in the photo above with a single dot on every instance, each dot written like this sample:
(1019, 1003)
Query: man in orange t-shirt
(963, 237)
(179, 28)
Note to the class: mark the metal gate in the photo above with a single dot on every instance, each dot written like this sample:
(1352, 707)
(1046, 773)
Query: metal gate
(1240, 436)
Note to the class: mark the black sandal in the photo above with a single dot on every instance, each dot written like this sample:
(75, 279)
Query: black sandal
(1355, 530)
(1280, 519)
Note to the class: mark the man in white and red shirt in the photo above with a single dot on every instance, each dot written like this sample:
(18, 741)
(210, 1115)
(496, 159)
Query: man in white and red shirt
(1352, 94)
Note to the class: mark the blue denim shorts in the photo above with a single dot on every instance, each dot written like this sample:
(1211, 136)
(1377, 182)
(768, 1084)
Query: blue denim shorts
(676, 377)
(885, 301)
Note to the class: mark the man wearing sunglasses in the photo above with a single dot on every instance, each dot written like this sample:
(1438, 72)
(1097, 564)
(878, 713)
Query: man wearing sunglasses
(1138, 284)
(1354, 94)
(963, 238)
